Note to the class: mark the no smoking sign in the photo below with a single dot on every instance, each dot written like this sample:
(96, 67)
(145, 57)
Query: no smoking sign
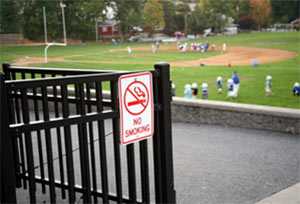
(136, 107)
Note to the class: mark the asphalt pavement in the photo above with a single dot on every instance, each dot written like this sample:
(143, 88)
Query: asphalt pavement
(216, 165)
(232, 165)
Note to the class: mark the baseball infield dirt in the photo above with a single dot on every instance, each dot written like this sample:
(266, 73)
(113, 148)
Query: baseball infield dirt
(233, 56)
(240, 56)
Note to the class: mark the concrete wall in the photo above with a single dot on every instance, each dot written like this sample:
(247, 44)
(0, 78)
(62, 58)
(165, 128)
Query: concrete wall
(236, 115)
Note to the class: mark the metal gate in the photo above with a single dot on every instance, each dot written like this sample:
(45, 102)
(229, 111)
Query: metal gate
(53, 120)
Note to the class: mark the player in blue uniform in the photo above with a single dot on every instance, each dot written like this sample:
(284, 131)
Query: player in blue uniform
(296, 89)
(236, 84)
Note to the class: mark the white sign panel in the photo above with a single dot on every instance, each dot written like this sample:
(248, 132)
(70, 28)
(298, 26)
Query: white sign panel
(136, 107)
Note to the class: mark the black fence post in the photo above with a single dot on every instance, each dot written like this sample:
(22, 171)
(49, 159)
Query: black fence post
(163, 134)
(7, 170)
(5, 69)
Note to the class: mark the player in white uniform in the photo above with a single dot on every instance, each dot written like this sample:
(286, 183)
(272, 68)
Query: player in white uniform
(219, 84)
(188, 91)
(204, 90)
(268, 85)
(129, 50)
(230, 92)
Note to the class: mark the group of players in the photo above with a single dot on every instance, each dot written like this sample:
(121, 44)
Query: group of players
(184, 47)
(199, 47)
(233, 85)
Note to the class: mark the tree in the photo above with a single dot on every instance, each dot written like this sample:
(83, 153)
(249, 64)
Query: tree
(242, 8)
(285, 11)
(32, 21)
(153, 16)
(216, 14)
(169, 16)
(260, 11)
(222, 7)
(246, 22)
(80, 18)
(182, 13)
(198, 21)
(9, 14)
(128, 13)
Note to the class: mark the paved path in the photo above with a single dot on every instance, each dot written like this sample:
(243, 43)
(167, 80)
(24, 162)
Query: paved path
(217, 165)
(231, 165)
(290, 195)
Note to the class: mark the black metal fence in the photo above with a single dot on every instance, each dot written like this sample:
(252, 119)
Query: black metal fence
(54, 119)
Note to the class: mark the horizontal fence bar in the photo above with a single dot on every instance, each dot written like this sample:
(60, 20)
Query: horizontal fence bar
(80, 189)
(70, 71)
(70, 99)
(57, 81)
(59, 122)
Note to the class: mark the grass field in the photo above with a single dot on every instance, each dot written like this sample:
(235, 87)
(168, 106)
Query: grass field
(104, 56)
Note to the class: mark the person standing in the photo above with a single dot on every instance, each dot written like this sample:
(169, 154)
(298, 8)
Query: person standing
(230, 88)
(129, 50)
(195, 90)
(204, 90)
(236, 84)
(219, 84)
(188, 91)
(268, 85)
(173, 90)
(296, 89)
(224, 48)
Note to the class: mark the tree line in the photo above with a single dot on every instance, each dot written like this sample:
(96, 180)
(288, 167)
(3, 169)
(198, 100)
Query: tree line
(189, 16)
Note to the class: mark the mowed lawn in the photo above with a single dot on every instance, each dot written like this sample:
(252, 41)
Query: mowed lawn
(107, 56)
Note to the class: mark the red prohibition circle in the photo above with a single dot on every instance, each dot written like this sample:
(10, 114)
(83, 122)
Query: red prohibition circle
(143, 103)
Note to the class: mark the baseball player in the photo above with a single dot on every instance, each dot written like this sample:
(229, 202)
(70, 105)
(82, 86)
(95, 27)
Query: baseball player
(268, 85)
(296, 89)
(188, 91)
(204, 90)
(219, 84)
(236, 84)
(230, 92)
(194, 90)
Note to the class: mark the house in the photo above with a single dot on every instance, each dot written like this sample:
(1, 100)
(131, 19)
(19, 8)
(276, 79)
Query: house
(296, 24)
(231, 29)
(108, 29)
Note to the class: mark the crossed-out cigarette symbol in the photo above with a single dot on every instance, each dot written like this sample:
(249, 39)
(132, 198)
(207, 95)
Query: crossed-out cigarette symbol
(139, 96)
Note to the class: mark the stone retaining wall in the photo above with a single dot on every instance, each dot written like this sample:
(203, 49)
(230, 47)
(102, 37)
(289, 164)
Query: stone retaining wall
(236, 115)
